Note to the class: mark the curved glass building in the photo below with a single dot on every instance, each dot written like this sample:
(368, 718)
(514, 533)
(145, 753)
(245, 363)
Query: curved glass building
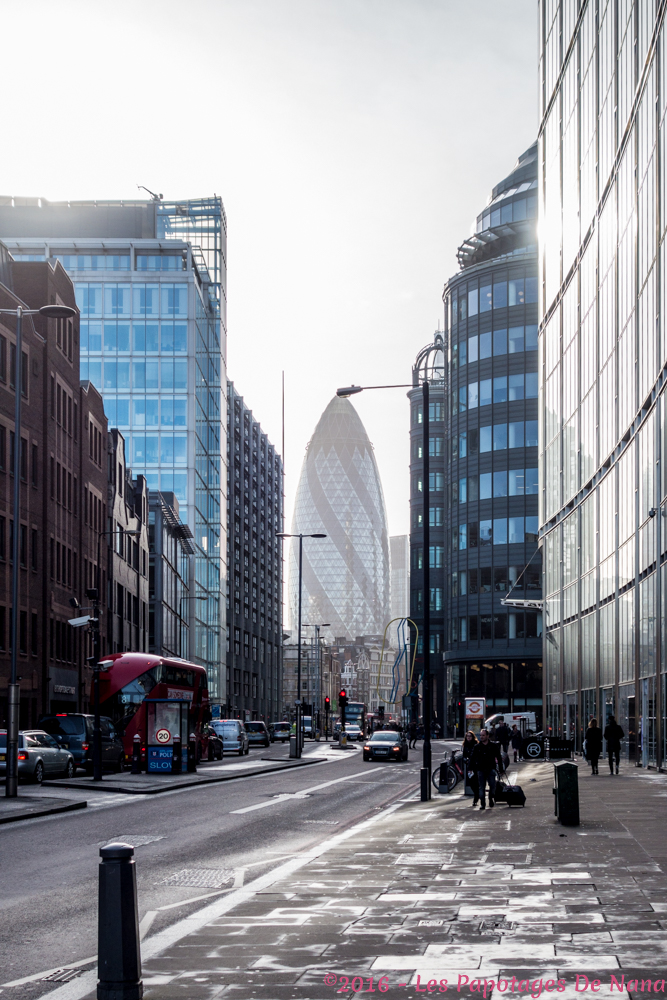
(346, 575)
(491, 472)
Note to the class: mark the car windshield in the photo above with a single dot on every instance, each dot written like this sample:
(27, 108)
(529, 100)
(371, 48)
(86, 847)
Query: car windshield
(384, 737)
(255, 727)
(226, 727)
(65, 725)
(3, 741)
(281, 725)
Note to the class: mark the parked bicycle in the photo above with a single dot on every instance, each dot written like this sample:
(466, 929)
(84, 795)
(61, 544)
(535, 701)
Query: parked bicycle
(453, 771)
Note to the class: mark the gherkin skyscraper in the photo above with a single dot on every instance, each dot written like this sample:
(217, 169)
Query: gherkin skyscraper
(346, 576)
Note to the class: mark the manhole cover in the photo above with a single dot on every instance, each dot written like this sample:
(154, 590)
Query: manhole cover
(62, 976)
(203, 878)
(499, 924)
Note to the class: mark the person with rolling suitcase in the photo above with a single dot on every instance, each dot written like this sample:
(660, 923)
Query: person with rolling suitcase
(486, 760)
(516, 739)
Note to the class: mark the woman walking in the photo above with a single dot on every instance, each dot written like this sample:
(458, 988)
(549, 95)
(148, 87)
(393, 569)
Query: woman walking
(468, 745)
(593, 745)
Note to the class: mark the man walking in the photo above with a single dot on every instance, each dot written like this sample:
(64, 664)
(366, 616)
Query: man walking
(412, 732)
(487, 762)
(503, 733)
(613, 734)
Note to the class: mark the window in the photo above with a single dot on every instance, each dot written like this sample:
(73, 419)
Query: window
(485, 438)
(3, 360)
(516, 530)
(33, 634)
(34, 460)
(473, 395)
(500, 389)
(485, 393)
(516, 434)
(485, 486)
(499, 342)
(499, 437)
(531, 434)
(3, 448)
(500, 531)
(485, 532)
(500, 483)
(23, 545)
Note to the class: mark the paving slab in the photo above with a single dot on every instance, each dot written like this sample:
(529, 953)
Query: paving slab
(31, 806)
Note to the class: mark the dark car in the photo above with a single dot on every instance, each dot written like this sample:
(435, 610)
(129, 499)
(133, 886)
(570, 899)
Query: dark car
(74, 730)
(386, 745)
(210, 744)
(258, 734)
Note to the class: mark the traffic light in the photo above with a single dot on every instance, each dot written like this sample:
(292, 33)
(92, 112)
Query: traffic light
(381, 713)
(327, 703)
(342, 698)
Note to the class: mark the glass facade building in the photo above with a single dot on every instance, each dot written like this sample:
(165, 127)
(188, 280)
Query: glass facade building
(603, 355)
(150, 280)
(488, 551)
(346, 579)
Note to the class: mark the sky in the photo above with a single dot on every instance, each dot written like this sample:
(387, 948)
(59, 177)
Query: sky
(352, 141)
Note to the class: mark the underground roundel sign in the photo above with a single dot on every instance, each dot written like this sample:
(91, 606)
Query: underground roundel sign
(163, 736)
(533, 749)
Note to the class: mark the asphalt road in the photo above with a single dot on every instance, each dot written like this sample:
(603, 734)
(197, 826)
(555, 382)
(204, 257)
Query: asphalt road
(191, 845)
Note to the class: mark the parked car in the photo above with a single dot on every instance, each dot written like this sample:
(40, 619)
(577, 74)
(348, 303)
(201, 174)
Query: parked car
(279, 731)
(258, 734)
(386, 745)
(75, 730)
(233, 734)
(40, 756)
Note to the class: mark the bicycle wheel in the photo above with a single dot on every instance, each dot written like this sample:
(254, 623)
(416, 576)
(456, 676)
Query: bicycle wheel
(452, 777)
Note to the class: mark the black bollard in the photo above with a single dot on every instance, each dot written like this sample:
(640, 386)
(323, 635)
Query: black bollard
(192, 754)
(118, 947)
(176, 757)
(136, 754)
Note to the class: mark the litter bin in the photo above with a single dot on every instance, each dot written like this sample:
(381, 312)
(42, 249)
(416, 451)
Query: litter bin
(566, 792)
(293, 748)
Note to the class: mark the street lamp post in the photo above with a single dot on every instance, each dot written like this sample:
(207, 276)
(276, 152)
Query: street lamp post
(14, 696)
(285, 534)
(352, 390)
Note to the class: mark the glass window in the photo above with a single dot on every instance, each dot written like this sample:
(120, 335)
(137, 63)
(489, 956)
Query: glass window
(151, 449)
(94, 338)
(472, 301)
(473, 442)
(516, 386)
(473, 395)
(138, 374)
(95, 373)
(531, 337)
(463, 398)
(181, 374)
(499, 294)
(174, 300)
(472, 534)
(167, 412)
(485, 345)
(138, 413)
(472, 488)
(531, 289)
(516, 482)
(462, 353)
(516, 294)
(167, 374)
(485, 392)
(516, 339)
(89, 299)
(485, 486)
(463, 492)
(485, 438)
(519, 210)
(500, 389)
(485, 532)
(516, 531)
(152, 375)
(516, 434)
(463, 444)
(531, 385)
(499, 342)
(122, 412)
(500, 483)
(151, 412)
(110, 374)
(531, 434)
(506, 213)
(116, 300)
(532, 481)
(499, 437)
(473, 349)
(531, 528)
(167, 449)
(485, 300)
(500, 530)
(463, 536)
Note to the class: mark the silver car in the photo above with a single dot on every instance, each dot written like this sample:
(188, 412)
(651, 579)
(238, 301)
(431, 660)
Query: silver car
(40, 756)
(233, 735)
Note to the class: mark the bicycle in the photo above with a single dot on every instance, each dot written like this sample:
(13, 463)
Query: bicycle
(454, 771)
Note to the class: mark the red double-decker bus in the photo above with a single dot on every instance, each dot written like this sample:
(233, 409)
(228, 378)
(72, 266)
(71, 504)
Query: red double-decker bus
(131, 681)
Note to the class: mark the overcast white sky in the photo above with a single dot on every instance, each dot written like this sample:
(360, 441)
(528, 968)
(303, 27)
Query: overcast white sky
(352, 141)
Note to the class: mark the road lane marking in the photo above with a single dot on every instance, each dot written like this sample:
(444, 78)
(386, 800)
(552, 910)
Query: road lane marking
(301, 794)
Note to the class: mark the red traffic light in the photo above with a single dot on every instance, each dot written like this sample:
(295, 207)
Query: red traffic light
(342, 694)
(327, 700)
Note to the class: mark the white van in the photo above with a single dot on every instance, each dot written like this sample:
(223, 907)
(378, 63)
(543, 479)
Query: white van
(524, 721)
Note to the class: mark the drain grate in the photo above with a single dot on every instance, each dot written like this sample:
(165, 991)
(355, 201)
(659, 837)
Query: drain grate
(201, 878)
(497, 924)
(62, 976)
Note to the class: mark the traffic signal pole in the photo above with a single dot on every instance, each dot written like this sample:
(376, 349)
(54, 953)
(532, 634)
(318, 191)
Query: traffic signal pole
(426, 558)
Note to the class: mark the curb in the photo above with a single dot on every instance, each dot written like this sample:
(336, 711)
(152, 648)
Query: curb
(102, 787)
(48, 811)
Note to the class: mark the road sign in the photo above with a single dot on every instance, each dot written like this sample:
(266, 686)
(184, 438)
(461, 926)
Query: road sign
(163, 736)
(79, 622)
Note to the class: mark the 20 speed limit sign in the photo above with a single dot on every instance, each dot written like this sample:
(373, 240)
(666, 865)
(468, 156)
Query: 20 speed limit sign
(163, 736)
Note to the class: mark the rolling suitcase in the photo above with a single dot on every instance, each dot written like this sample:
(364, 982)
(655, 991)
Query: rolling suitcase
(513, 795)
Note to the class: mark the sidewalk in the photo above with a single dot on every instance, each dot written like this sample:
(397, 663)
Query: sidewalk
(441, 891)
(30, 806)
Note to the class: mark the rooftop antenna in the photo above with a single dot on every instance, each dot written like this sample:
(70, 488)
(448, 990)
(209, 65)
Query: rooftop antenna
(154, 196)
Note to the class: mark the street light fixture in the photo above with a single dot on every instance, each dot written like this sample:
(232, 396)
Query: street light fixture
(285, 534)
(14, 695)
(352, 390)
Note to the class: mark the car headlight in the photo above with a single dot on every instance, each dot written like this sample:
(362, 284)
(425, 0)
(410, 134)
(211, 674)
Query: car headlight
(366, 748)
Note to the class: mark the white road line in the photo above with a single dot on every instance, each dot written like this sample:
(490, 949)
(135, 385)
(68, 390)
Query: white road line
(81, 988)
(302, 794)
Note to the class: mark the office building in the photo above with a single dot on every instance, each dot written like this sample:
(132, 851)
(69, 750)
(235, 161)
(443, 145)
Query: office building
(254, 596)
(399, 555)
(491, 525)
(150, 279)
(345, 575)
(603, 349)
(171, 547)
(63, 466)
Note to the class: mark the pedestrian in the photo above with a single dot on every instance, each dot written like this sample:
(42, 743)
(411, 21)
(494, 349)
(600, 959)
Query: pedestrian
(503, 734)
(467, 747)
(593, 745)
(488, 764)
(412, 730)
(516, 739)
(613, 735)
